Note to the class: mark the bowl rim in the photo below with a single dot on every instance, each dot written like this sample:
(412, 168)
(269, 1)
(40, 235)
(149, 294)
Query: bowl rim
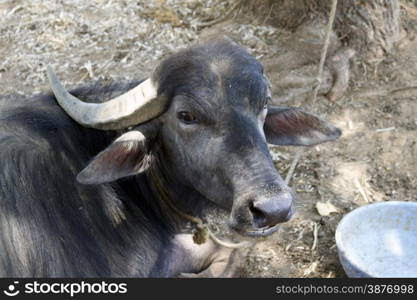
(353, 213)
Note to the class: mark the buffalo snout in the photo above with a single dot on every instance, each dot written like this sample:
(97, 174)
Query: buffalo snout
(260, 215)
(270, 211)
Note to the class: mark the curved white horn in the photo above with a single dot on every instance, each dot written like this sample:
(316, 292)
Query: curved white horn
(136, 106)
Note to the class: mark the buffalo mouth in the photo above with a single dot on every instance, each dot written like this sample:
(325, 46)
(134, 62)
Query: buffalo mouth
(256, 233)
(262, 232)
(252, 229)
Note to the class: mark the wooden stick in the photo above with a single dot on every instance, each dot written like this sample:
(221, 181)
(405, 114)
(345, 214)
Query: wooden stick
(325, 47)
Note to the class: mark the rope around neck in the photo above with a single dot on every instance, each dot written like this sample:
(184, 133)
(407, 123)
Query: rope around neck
(202, 232)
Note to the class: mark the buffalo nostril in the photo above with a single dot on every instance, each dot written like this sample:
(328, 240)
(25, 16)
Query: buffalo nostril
(272, 210)
(258, 215)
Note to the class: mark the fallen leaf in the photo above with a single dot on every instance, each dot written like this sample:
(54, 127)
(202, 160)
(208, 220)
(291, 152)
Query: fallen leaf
(326, 208)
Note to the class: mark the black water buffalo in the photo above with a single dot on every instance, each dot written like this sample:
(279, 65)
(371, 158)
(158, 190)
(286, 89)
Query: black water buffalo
(84, 184)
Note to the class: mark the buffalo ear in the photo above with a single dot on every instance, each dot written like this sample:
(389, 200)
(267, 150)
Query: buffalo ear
(292, 126)
(126, 156)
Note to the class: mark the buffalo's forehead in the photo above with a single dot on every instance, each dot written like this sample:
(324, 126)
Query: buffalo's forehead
(220, 72)
(239, 79)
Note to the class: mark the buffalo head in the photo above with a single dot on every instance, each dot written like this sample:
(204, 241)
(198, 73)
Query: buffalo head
(209, 107)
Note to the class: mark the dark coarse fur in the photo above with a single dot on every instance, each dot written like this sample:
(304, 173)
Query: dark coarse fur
(53, 226)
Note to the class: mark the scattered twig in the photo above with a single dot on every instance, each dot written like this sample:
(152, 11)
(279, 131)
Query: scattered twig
(376, 65)
(12, 11)
(383, 92)
(293, 165)
(315, 236)
(300, 235)
(269, 14)
(401, 89)
(385, 129)
(330, 274)
(361, 190)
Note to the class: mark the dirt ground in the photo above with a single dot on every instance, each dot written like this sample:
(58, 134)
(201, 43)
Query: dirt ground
(375, 160)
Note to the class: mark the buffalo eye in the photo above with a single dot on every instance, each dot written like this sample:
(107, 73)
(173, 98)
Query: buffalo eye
(263, 112)
(186, 117)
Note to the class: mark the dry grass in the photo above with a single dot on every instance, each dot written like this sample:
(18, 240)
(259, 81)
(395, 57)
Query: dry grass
(103, 39)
